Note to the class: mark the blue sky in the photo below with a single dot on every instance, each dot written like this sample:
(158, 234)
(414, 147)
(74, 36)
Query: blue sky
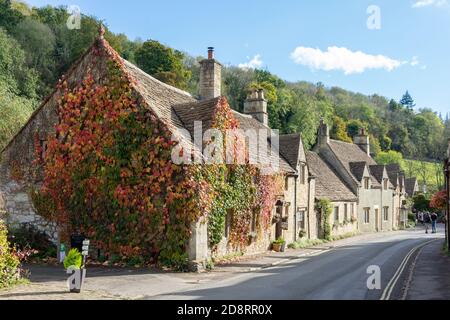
(320, 40)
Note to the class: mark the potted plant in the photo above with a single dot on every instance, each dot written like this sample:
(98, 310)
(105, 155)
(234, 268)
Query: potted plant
(279, 245)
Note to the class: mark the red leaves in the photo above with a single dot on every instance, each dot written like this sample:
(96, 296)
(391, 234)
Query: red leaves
(439, 200)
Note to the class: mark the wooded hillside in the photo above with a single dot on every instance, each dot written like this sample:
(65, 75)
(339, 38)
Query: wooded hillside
(36, 48)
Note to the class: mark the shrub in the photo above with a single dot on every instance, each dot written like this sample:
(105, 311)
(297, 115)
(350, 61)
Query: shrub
(9, 262)
(74, 259)
(279, 241)
(28, 237)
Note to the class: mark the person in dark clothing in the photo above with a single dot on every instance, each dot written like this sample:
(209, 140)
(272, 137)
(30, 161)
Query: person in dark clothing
(427, 221)
(433, 218)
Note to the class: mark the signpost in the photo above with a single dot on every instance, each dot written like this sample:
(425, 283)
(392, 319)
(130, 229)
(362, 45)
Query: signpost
(77, 276)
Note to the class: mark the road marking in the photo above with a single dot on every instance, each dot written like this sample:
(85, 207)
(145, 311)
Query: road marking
(393, 282)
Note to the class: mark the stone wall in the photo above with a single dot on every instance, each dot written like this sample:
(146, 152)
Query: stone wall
(343, 226)
(16, 208)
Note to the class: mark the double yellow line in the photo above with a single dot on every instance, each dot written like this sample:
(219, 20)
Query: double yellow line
(393, 282)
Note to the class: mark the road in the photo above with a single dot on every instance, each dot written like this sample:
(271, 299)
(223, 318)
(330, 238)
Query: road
(337, 274)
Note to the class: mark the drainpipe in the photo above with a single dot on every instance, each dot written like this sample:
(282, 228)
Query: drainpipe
(295, 211)
(308, 208)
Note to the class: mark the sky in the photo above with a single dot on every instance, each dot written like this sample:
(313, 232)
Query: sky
(378, 46)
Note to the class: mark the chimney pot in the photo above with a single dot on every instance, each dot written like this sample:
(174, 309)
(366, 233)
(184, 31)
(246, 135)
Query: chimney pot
(210, 53)
(256, 106)
(210, 77)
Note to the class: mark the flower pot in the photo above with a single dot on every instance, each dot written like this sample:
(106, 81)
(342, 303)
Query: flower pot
(276, 247)
(279, 247)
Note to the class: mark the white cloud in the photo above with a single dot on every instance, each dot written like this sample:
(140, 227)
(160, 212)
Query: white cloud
(254, 63)
(414, 61)
(340, 58)
(427, 3)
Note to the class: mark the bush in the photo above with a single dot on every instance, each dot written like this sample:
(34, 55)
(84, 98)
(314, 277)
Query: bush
(279, 241)
(9, 262)
(29, 237)
(74, 259)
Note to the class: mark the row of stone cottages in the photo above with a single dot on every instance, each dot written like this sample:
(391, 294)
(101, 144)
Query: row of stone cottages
(365, 197)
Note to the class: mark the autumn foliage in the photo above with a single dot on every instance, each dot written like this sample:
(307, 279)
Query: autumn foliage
(439, 200)
(108, 173)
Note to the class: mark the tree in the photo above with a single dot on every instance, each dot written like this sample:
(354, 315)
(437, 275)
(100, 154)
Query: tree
(339, 130)
(407, 101)
(163, 63)
(354, 126)
(15, 76)
(38, 42)
(390, 157)
(9, 17)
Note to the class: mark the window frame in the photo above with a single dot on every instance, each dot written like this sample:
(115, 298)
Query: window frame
(366, 215)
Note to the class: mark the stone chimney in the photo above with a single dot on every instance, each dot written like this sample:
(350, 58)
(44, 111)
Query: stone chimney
(210, 77)
(362, 140)
(256, 106)
(323, 137)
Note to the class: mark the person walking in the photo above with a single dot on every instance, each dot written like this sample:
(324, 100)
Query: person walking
(426, 221)
(434, 218)
(420, 217)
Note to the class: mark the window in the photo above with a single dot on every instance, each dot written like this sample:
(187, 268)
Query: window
(286, 184)
(386, 184)
(336, 214)
(366, 183)
(303, 174)
(366, 215)
(346, 212)
(301, 220)
(386, 213)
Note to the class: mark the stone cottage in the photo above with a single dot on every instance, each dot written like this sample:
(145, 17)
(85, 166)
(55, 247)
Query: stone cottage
(343, 201)
(293, 210)
(399, 182)
(369, 182)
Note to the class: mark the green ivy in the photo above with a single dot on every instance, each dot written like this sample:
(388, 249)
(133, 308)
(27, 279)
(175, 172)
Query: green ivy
(325, 209)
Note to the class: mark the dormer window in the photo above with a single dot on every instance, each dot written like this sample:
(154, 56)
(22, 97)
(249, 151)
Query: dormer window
(366, 183)
(386, 184)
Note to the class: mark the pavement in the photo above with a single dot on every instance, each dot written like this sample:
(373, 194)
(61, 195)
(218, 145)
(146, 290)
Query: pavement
(430, 274)
(336, 270)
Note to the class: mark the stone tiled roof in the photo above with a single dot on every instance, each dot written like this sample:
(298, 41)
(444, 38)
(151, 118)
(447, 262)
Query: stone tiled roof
(348, 153)
(378, 172)
(247, 122)
(159, 96)
(328, 184)
(203, 111)
(410, 184)
(394, 167)
(196, 111)
(290, 145)
(357, 169)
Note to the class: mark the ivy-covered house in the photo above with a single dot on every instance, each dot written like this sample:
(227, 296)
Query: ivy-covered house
(116, 155)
